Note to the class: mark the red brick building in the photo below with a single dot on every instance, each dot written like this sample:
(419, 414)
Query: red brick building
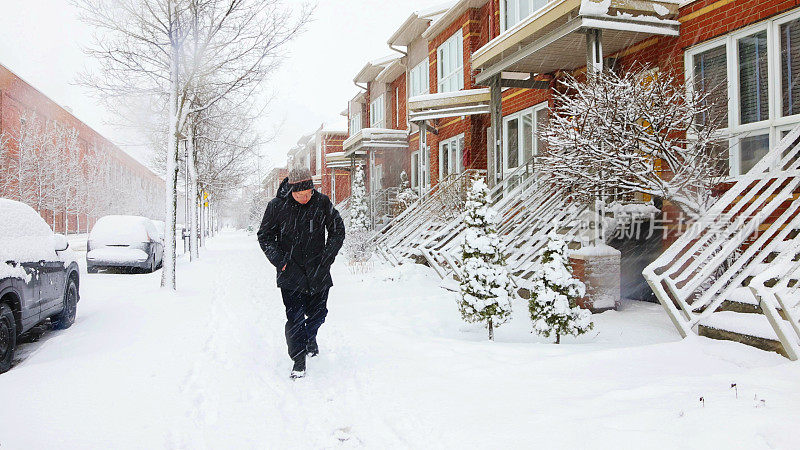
(136, 189)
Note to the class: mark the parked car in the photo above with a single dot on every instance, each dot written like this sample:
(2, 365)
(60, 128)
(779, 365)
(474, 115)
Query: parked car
(39, 277)
(124, 242)
(161, 227)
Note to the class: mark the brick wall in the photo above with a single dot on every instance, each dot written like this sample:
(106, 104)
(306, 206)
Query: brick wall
(17, 98)
(397, 88)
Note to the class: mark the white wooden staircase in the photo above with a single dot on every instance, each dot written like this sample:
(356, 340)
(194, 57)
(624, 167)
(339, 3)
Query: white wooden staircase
(735, 274)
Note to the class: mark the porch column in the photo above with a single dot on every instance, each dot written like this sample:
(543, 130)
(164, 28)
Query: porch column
(423, 159)
(494, 157)
(594, 51)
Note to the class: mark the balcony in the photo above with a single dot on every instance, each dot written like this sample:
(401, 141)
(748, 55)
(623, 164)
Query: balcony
(555, 37)
(448, 104)
(374, 138)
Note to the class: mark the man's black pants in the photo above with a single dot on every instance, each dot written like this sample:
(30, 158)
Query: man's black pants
(305, 313)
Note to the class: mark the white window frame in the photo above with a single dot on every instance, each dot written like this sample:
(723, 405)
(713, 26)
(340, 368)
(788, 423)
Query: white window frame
(775, 123)
(355, 123)
(450, 80)
(419, 79)
(455, 163)
(532, 111)
(377, 112)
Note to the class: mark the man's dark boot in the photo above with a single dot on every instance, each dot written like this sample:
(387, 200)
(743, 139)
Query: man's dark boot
(299, 368)
(311, 348)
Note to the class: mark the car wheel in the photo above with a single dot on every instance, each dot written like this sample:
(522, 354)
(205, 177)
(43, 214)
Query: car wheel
(8, 337)
(66, 318)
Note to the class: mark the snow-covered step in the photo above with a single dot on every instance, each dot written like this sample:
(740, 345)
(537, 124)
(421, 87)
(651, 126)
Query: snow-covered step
(748, 329)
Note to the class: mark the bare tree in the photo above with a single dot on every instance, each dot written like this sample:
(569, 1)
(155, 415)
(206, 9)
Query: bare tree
(168, 48)
(640, 132)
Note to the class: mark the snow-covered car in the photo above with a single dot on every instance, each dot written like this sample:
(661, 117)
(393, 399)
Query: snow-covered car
(39, 276)
(161, 227)
(124, 242)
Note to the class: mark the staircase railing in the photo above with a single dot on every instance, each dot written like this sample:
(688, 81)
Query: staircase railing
(527, 208)
(399, 239)
(344, 210)
(735, 240)
(776, 290)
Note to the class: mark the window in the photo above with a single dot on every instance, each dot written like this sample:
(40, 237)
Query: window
(520, 136)
(753, 78)
(355, 123)
(753, 103)
(790, 67)
(419, 81)
(450, 64)
(711, 76)
(514, 11)
(450, 154)
(377, 113)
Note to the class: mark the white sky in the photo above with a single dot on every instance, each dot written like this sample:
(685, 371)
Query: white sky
(41, 41)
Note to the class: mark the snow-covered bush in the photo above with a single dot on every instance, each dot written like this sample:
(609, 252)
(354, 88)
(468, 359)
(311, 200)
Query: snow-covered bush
(552, 304)
(358, 235)
(485, 290)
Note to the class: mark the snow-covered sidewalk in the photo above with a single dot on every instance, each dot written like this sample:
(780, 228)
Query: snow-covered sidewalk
(207, 368)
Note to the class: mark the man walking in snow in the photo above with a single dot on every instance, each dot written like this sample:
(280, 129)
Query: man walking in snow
(292, 235)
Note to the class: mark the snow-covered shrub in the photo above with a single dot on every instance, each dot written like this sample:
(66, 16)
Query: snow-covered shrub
(358, 234)
(485, 290)
(642, 132)
(406, 196)
(552, 304)
(359, 210)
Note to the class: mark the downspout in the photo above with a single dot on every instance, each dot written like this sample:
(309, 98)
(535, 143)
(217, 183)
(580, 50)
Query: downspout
(360, 86)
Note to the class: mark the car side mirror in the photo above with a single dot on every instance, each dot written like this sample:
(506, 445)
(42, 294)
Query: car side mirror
(60, 242)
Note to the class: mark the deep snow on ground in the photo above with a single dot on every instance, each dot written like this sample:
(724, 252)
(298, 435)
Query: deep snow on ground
(206, 367)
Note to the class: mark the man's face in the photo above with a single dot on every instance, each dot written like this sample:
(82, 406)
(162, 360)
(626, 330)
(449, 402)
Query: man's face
(302, 197)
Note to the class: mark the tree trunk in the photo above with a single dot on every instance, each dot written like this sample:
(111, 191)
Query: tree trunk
(491, 330)
(558, 338)
(168, 273)
(194, 252)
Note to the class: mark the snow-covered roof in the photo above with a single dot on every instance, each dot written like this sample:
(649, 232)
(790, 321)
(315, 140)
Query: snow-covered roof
(391, 72)
(416, 24)
(375, 138)
(374, 67)
(452, 14)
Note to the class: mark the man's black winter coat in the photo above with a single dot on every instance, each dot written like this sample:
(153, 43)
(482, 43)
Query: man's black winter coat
(293, 235)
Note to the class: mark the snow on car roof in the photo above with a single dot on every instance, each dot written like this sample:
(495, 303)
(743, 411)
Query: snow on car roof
(24, 235)
(110, 230)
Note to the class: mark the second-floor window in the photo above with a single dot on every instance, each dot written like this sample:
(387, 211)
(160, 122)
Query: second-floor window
(355, 123)
(377, 113)
(419, 80)
(513, 12)
(450, 64)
